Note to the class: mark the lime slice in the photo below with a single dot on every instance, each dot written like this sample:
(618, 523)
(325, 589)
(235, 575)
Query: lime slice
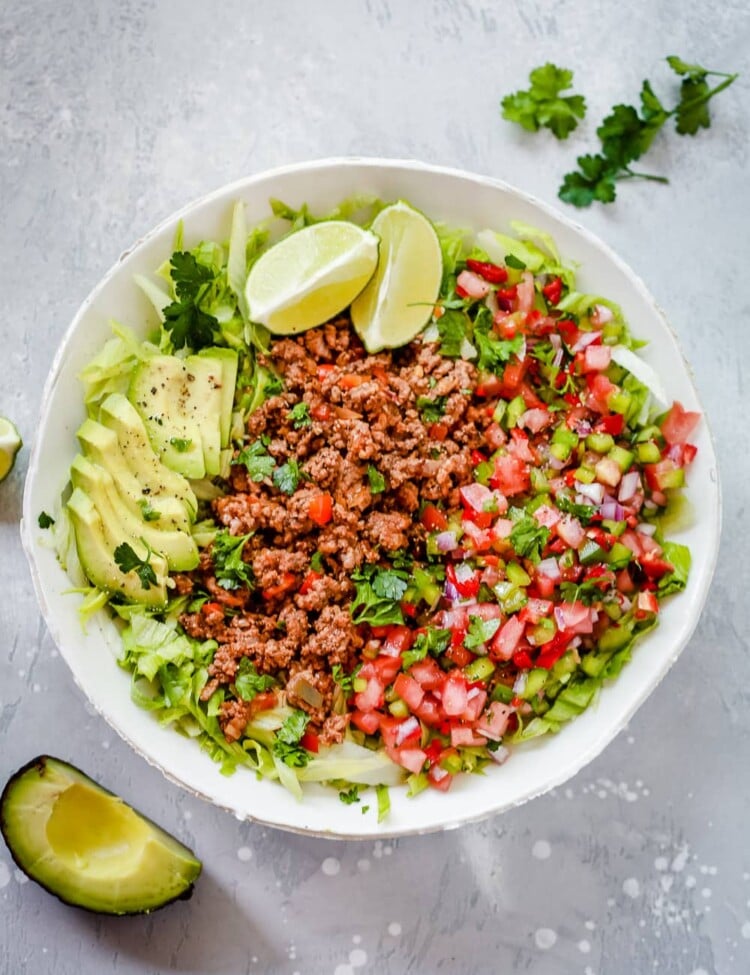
(10, 444)
(310, 276)
(398, 301)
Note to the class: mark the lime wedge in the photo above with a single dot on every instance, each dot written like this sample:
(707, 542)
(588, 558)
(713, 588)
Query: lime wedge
(10, 444)
(398, 301)
(310, 276)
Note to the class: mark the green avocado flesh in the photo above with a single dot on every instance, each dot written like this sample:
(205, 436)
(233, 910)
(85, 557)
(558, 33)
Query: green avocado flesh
(87, 846)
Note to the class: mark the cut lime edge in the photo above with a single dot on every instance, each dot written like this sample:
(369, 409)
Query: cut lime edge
(10, 444)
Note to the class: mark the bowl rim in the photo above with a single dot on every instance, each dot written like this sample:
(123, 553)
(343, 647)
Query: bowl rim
(29, 543)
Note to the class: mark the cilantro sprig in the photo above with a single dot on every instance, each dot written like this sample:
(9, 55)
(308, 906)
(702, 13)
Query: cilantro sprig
(184, 319)
(287, 744)
(378, 595)
(248, 683)
(543, 105)
(527, 536)
(127, 560)
(627, 133)
(230, 569)
(288, 476)
(258, 463)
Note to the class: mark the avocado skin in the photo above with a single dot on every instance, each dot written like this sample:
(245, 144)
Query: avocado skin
(40, 765)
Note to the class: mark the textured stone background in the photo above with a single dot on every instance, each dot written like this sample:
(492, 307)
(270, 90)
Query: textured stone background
(113, 114)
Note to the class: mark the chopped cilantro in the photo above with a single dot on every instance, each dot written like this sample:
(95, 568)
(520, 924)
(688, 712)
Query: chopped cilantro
(128, 561)
(586, 592)
(452, 327)
(258, 462)
(543, 105)
(249, 683)
(149, 513)
(184, 319)
(583, 512)
(344, 681)
(433, 641)
(378, 594)
(300, 416)
(365, 809)
(231, 570)
(376, 479)
(349, 796)
(45, 520)
(180, 444)
(287, 477)
(316, 562)
(431, 409)
(494, 352)
(287, 746)
(515, 262)
(528, 537)
(480, 631)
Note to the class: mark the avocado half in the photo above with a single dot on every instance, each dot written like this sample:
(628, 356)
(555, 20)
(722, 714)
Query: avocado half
(86, 846)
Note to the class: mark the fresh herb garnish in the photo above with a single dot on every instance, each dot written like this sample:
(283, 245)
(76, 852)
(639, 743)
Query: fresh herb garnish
(625, 135)
(249, 683)
(149, 513)
(494, 352)
(45, 520)
(515, 262)
(378, 594)
(127, 561)
(345, 681)
(259, 464)
(433, 642)
(528, 537)
(300, 416)
(230, 569)
(587, 592)
(376, 479)
(543, 105)
(286, 745)
(432, 410)
(349, 796)
(316, 562)
(452, 326)
(480, 631)
(184, 319)
(584, 512)
(287, 477)
(180, 444)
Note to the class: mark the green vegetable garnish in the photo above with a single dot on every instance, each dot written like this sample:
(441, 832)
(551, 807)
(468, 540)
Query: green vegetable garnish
(259, 464)
(231, 571)
(184, 319)
(127, 560)
(543, 106)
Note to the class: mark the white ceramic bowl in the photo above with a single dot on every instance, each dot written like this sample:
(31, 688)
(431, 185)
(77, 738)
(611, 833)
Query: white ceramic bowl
(463, 200)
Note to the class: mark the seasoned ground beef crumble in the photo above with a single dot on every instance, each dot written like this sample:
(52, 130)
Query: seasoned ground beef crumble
(294, 624)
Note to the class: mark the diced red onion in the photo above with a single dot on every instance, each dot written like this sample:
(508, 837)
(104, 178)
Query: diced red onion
(446, 541)
(594, 492)
(451, 592)
(601, 314)
(491, 302)
(629, 486)
(407, 728)
(612, 511)
(585, 339)
(500, 755)
(520, 685)
(646, 528)
(550, 569)
(555, 340)
(557, 361)
(464, 572)
(555, 463)
(575, 643)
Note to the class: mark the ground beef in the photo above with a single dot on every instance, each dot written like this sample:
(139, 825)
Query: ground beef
(362, 424)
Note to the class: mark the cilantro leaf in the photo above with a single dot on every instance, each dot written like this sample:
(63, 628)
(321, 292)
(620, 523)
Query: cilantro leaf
(258, 462)
(587, 592)
(431, 409)
(542, 105)
(287, 477)
(376, 479)
(378, 594)
(528, 537)
(515, 262)
(128, 561)
(493, 351)
(149, 513)
(345, 681)
(350, 795)
(433, 642)
(248, 683)
(230, 569)
(180, 444)
(583, 512)
(593, 180)
(184, 319)
(45, 520)
(286, 745)
(452, 326)
(316, 562)
(480, 631)
(300, 415)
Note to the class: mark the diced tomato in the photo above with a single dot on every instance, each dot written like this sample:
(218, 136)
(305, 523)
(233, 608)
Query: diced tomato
(325, 370)
(439, 778)
(409, 691)
(535, 610)
(367, 721)
(459, 655)
(399, 732)
(310, 741)
(209, 609)
(596, 358)
(490, 272)
(678, 424)
(552, 290)
(506, 298)
(321, 509)
(287, 582)
(476, 700)
(495, 436)
(479, 538)
(512, 378)
(550, 652)
(371, 697)
(412, 759)
(525, 292)
(476, 498)
(477, 457)
(429, 711)
(612, 424)
(471, 285)
(658, 476)
(433, 519)
(505, 325)
(574, 617)
(386, 668)
(599, 392)
(307, 582)
(427, 673)
(399, 638)
(352, 379)
(464, 579)
(545, 585)
(438, 431)
(653, 566)
(463, 735)
(321, 412)
(495, 722)
(454, 694)
(488, 385)
(522, 660)
(646, 604)
(507, 638)
(511, 475)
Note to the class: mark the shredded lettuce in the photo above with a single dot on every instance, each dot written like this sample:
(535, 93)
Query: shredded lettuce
(111, 369)
(679, 557)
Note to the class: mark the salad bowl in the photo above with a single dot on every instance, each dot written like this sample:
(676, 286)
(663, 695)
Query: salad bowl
(460, 199)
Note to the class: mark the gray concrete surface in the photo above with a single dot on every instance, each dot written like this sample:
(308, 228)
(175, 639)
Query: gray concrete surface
(112, 114)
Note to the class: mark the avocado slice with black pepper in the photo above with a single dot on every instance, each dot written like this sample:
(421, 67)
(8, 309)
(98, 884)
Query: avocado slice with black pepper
(88, 847)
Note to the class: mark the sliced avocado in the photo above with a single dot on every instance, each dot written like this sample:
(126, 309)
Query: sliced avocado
(101, 447)
(156, 479)
(229, 363)
(177, 547)
(96, 544)
(180, 401)
(89, 848)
